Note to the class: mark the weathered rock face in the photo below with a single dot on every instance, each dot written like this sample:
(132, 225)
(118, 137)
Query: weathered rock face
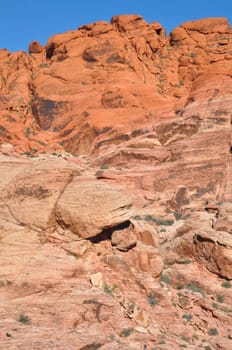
(116, 188)
(215, 251)
(126, 70)
(31, 196)
(124, 239)
(89, 208)
(197, 239)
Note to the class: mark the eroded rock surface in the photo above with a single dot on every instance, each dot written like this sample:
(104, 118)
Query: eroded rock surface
(90, 208)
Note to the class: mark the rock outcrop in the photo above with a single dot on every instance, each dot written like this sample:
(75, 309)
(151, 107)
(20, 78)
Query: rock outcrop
(93, 208)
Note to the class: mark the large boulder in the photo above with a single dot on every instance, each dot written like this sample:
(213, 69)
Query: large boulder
(29, 196)
(88, 207)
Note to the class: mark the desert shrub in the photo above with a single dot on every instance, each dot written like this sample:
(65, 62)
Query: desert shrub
(192, 54)
(44, 65)
(163, 222)
(184, 262)
(165, 279)
(187, 317)
(104, 166)
(177, 215)
(28, 132)
(137, 217)
(126, 332)
(180, 286)
(41, 143)
(180, 84)
(151, 299)
(107, 289)
(226, 284)
(195, 288)
(187, 339)
(213, 331)
(149, 218)
(28, 154)
(24, 319)
(92, 346)
(220, 298)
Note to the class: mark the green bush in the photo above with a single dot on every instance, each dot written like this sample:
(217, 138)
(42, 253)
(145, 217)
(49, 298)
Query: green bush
(180, 286)
(180, 84)
(104, 166)
(220, 298)
(108, 289)
(165, 279)
(226, 284)
(41, 143)
(126, 332)
(195, 288)
(213, 331)
(184, 262)
(44, 65)
(28, 132)
(162, 222)
(137, 217)
(28, 154)
(192, 54)
(151, 299)
(24, 319)
(187, 317)
(149, 218)
(177, 215)
(187, 339)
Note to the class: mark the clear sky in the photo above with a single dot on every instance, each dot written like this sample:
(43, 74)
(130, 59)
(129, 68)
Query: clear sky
(22, 21)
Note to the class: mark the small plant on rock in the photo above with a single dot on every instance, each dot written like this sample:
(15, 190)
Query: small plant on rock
(165, 279)
(192, 54)
(177, 215)
(24, 319)
(151, 299)
(126, 332)
(226, 284)
(213, 331)
(28, 132)
(104, 166)
(108, 289)
(195, 288)
(163, 222)
(187, 317)
(220, 298)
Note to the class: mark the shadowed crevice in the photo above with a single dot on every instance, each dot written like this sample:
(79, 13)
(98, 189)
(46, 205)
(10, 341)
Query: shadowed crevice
(107, 233)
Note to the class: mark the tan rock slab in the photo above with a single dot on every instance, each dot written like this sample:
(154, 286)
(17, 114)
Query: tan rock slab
(89, 207)
(214, 249)
(124, 239)
(97, 279)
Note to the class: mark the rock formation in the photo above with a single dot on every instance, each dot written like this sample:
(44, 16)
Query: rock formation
(116, 188)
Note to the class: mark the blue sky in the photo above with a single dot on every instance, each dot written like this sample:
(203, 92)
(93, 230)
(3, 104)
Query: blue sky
(22, 21)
